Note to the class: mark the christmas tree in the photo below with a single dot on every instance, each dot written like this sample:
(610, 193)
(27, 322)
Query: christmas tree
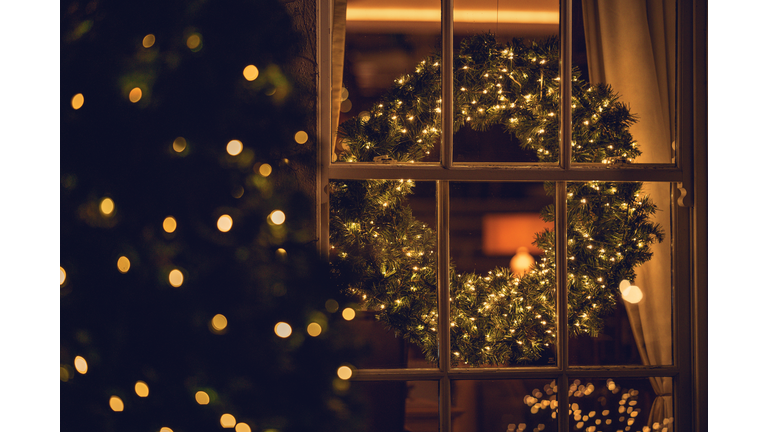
(192, 294)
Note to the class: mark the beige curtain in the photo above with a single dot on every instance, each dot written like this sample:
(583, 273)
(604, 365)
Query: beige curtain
(338, 41)
(631, 46)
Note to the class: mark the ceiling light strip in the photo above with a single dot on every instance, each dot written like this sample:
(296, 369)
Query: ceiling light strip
(460, 15)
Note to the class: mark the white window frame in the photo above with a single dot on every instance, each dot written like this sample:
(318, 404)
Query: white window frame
(689, 222)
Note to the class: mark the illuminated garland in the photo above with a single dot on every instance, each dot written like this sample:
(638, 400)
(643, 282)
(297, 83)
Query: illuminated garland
(593, 408)
(496, 318)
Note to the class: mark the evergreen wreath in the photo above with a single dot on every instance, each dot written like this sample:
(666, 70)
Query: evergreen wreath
(497, 318)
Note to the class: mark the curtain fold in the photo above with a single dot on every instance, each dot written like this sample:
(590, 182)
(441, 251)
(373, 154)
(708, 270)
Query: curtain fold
(338, 42)
(631, 46)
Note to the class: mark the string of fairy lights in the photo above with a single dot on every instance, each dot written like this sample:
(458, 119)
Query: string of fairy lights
(106, 209)
(499, 317)
(218, 323)
(610, 407)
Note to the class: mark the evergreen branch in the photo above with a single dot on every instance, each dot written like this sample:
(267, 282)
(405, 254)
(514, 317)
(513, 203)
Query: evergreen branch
(498, 318)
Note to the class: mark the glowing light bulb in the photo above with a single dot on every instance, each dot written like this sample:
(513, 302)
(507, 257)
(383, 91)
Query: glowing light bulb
(148, 41)
(141, 388)
(176, 278)
(116, 404)
(633, 294)
(283, 330)
(242, 427)
(77, 101)
(202, 398)
(234, 147)
(179, 144)
(135, 95)
(219, 322)
(227, 421)
(194, 42)
(81, 365)
(348, 314)
(265, 169)
(251, 72)
(344, 372)
(169, 224)
(314, 329)
(301, 137)
(277, 217)
(224, 224)
(522, 261)
(62, 275)
(107, 206)
(123, 264)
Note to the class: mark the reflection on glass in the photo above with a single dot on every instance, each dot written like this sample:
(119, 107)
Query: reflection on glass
(382, 238)
(632, 49)
(378, 66)
(397, 406)
(620, 273)
(509, 405)
(507, 81)
(503, 283)
(621, 404)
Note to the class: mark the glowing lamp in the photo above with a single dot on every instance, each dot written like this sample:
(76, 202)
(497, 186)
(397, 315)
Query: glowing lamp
(630, 293)
(521, 262)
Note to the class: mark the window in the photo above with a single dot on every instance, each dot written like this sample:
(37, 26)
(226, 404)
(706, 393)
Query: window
(472, 191)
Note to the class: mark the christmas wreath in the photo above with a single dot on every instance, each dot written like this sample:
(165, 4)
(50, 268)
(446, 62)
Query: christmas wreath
(496, 318)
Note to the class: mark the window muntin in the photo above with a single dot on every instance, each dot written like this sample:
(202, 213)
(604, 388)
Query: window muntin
(499, 172)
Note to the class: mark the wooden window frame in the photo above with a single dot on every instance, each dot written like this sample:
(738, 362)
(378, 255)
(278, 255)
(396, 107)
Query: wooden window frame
(689, 220)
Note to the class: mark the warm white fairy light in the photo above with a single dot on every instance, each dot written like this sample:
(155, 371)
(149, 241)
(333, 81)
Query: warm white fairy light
(474, 111)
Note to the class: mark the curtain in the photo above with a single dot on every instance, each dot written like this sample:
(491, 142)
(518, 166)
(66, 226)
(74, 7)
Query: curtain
(631, 46)
(338, 41)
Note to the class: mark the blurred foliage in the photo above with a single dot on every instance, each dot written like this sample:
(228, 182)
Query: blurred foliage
(136, 326)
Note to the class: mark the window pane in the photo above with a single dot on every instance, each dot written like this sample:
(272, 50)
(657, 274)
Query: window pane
(621, 404)
(391, 81)
(630, 47)
(383, 247)
(506, 92)
(620, 273)
(398, 406)
(503, 286)
(508, 405)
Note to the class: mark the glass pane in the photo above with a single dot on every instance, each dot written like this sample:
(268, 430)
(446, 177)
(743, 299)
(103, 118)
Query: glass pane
(631, 48)
(508, 405)
(390, 101)
(621, 404)
(382, 242)
(619, 273)
(503, 283)
(506, 90)
(397, 406)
